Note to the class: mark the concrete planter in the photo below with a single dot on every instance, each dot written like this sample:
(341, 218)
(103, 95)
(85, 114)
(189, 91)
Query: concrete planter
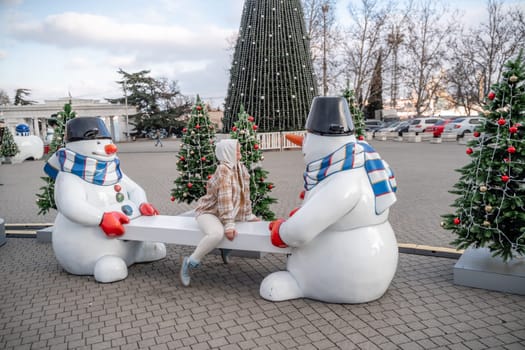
(477, 268)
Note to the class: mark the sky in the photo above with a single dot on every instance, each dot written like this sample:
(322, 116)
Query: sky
(58, 48)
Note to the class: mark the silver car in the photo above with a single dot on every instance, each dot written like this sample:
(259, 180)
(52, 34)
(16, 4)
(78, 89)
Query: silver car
(464, 125)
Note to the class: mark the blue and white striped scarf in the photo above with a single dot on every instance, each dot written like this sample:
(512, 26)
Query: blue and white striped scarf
(92, 170)
(351, 156)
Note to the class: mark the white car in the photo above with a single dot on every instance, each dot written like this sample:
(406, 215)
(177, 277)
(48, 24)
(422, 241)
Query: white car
(462, 126)
(420, 124)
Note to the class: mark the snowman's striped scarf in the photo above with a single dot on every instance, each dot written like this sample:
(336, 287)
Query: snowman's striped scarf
(351, 156)
(94, 171)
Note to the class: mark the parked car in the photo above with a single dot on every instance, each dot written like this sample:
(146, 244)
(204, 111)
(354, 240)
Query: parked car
(402, 127)
(390, 126)
(437, 129)
(462, 126)
(421, 124)
(373, 124)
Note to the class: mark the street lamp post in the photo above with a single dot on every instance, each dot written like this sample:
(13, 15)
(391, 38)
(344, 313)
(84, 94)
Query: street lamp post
(324, 8)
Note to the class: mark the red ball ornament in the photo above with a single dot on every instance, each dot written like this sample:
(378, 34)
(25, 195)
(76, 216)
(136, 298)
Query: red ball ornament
(172, 199)
(505, 178)
(491, 95)
(270, 186)
(251, 119)
(513, 129)
(476, 134)
(511, 149)
(182, 158)
(255, 127)
(209, 177)
(501, 121)
(197, 126)
(184, 130)
(199, 108)
(203, 159)
(361, 138)
(256, 146)
(189, 185)
(457, 221)
(234, 128)
(469, 151)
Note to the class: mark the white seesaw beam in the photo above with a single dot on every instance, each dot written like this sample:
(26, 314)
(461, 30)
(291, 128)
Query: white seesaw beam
(183, 230)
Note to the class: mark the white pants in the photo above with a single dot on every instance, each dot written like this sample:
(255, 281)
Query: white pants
(213, 230)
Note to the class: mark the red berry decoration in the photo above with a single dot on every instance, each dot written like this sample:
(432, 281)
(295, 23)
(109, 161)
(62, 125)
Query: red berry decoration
(251, 119)
(457, 221)
(203, 159)
(511, 149)
(197, 126)
(505, 178)
(182, 158)
(209, 177)
(476, 134)
(172, 199)
(361, 138)
(270, 186)
(469, 150)
(234, 128)
(491, 95)
(199, 108)
(501, 121)
(190, 185)
(513, 129)
(255, 127)
(184, 130)
(256, 146)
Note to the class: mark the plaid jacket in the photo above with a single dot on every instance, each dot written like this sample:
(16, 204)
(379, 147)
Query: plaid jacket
(227, 195)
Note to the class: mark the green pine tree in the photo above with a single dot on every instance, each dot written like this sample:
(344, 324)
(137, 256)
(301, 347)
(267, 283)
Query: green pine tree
(9, 147)
(196, 158)
(357, 114)
(490, 208)
(245, 131)
(46, 197)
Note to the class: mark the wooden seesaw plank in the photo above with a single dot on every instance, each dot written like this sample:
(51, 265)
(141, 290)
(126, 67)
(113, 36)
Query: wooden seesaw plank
(183, 230)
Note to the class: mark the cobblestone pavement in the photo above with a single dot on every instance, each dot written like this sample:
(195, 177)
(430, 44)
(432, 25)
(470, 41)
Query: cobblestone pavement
(43, 307)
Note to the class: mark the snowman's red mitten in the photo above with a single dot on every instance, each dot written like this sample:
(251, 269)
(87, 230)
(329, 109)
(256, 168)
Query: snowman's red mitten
(274, 233)
(148, 210)
(112, 222)
(294, 211)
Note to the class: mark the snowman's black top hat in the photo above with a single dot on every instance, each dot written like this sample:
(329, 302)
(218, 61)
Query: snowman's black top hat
(330, 116)
(86, 128)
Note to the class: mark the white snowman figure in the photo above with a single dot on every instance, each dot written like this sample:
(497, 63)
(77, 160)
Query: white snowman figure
(94, 200)
(343, 247)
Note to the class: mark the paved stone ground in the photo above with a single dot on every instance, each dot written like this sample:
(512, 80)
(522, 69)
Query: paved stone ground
(43, 307)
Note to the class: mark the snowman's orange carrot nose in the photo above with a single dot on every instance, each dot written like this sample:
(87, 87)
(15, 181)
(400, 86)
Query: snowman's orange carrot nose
(295, 139)
(110, 148)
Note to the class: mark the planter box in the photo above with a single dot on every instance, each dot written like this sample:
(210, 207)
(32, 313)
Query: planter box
(477, 268)
(436, 140)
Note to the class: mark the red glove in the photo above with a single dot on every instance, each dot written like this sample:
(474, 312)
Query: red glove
(274, 234)
(112, 222)
(294, 211)
(148, 209)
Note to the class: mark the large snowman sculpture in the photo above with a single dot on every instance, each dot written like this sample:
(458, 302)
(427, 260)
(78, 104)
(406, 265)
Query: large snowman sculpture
(343, 247)
(94, 199)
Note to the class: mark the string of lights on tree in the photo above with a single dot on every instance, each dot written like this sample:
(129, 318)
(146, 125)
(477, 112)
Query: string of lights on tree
(196, 158)
(490, 208)
(46, 198)
(271, 73)
(357, 115)
(245, 131)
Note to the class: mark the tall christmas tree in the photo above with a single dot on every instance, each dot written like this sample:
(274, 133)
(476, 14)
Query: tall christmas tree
(271, 73)
(490, 208)
(9, 148)
(196, 159)
(46, 197)
(357, 114)
(245, 131)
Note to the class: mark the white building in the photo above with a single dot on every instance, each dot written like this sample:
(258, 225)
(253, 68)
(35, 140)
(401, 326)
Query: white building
(36, 116)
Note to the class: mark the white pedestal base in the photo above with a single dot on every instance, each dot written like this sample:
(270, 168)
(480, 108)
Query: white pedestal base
(477, 268)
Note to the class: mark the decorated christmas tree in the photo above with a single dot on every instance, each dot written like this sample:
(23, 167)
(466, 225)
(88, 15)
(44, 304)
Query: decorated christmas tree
(245, 131)
(9, 147)
(490, 208)
(196, 159)
(46, 197)
(357, 114)
(271, 74)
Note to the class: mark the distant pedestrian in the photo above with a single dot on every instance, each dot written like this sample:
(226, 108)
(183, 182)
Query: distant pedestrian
(157, 139)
